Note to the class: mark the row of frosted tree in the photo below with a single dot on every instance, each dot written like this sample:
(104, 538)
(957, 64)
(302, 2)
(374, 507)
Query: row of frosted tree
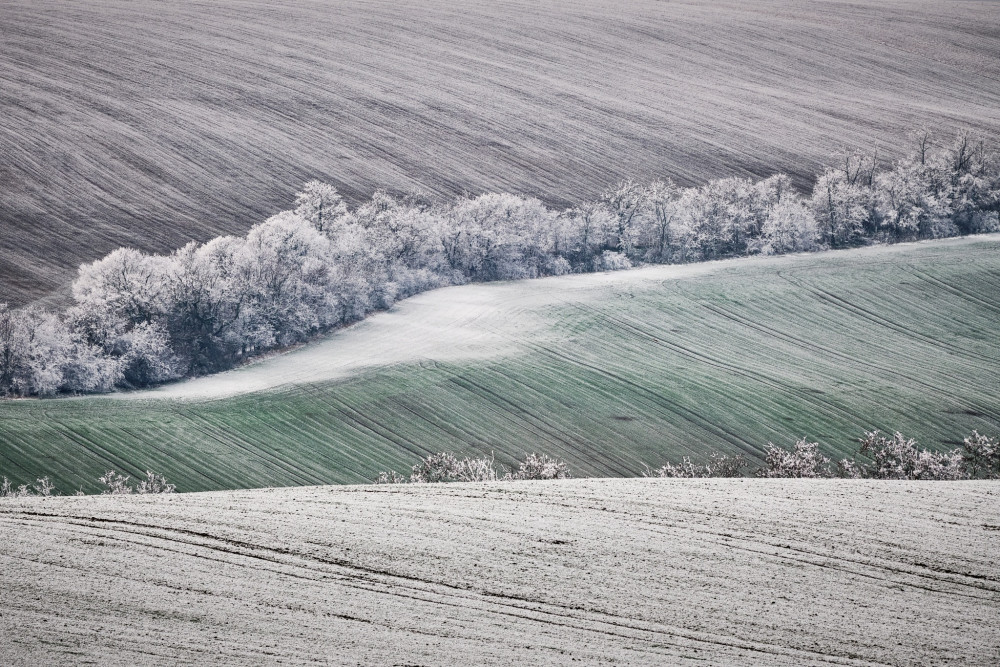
(140, 319)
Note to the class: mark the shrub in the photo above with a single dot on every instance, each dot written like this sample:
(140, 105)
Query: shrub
(611, 261)
(539, 466)
(476, 470)
(981, 456)
(804, 460)
(435, 468)
(117, 484)
(719, 465)
(41, 487)
(684, 469)
(390, 477)
(898, 458)
(114, 484)
(446, 467)
(154, 484)
(557, 266)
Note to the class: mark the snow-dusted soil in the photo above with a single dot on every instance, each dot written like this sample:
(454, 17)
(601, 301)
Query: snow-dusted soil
(149, 124)
(467, 322)
(636, 571)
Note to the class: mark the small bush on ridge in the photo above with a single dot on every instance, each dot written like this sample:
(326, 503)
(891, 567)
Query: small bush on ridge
(719, 465)
(446, 467)
(898, 458)
(878, 457)
(539, 466)
(117, 484)
(114, 484)
(804, 460)
(981, 456)
(41, 487)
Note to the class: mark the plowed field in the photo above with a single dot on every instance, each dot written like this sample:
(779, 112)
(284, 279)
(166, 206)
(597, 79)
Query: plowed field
(149, 124)
(622, 572)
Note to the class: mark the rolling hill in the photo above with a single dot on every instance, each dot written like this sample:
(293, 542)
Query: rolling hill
(777, 572)
(149, 124)
(610, 372)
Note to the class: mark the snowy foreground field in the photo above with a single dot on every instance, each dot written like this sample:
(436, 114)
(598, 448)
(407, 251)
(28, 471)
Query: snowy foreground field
(636, 571)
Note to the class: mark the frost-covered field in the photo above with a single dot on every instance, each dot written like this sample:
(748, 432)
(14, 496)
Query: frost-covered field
(149, 124)
(785, 572)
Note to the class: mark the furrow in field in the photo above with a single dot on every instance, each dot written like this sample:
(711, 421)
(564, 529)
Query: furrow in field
(827, 354)
(220, 435)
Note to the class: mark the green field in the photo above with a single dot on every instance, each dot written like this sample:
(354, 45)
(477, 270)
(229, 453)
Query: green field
(632, 372)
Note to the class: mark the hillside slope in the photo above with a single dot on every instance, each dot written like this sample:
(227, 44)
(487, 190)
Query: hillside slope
(150, 124)
(609, 372)
(777, 572)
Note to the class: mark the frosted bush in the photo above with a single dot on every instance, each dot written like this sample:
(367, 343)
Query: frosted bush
(434, 468)
(719, 465)
(476, 470)
(539, 466)
(446, 467)
(557, 266)
(154, 484)
(413, 281)
(8, 490)
(897, 457)
(727, 466)
(981, 456)
(146, 356)
(391, 477)
(41, 487)
(804, 460)
(611, 261)
(116, 484)
(684, 469)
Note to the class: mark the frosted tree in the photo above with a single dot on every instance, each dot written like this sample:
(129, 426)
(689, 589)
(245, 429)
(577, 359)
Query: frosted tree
(39, 355)
(13, 351)
(124, 288)
(320, 204)
(661, 199)
(376, 210)
(287, 267)
(842, 209)
(624, 201)
(590, 229)
(974, 171)
(496, 236)
(981, 456)
(789, 227)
